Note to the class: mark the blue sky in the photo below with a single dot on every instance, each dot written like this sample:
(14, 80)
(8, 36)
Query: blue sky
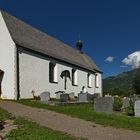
(110, 30)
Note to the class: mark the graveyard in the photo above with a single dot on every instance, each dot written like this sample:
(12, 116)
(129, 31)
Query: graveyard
(107, 111)
(86, 111)
(129, 106)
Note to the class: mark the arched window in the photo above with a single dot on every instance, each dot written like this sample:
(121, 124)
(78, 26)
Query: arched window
(53, 73)
(96, 80)
(74, 77)
(89, 80)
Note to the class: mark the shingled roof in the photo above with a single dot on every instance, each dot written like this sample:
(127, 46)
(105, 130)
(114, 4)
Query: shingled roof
(36, 40)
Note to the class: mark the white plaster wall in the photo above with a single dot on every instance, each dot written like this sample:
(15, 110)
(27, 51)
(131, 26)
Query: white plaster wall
(7, 61)
(34, 75)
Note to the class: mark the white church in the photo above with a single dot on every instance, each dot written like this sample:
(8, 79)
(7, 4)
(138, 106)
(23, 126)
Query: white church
(31, 60)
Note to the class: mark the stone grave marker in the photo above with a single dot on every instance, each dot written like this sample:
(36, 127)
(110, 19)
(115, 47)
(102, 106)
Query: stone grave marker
(96, 95)
(64, 97)
(134, 98)
(126, 101)
(91, 97)
(137, 108)
(103, 104)
(45, 96)
(72, 96)
(83, 97)
(58, 94)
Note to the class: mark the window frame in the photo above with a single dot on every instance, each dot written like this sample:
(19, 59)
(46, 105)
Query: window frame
(96, 80)
(53, 72)
(89, 80)
(74, 77)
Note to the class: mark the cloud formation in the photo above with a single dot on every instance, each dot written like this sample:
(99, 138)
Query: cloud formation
(109, 59)
(132, 60)
(123, 66)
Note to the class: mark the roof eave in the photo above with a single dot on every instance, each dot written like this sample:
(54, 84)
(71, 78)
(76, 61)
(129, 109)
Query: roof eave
(53, 57)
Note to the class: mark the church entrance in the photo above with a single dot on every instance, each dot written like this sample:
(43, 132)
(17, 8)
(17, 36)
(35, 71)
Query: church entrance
(1, 77)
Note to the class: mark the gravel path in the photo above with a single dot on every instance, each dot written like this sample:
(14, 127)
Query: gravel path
(64, 123)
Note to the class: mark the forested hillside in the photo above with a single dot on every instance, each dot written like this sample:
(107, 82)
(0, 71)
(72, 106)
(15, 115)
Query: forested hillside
(121, 84)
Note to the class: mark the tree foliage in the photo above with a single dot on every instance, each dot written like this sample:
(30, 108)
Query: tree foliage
(115, 91)
(118, 103)
(136, 84)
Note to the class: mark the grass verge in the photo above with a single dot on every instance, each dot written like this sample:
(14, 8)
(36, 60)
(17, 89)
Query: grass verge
(28, 130)
(86, 112)
(4, 115)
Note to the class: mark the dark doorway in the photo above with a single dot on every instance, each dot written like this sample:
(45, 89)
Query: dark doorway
(1, 77)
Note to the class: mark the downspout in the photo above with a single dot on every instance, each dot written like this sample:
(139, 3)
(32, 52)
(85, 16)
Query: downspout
(17, 73)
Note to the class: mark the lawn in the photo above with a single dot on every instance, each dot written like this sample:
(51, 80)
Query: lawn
(86, 112)
(4, 115)
(28, 130)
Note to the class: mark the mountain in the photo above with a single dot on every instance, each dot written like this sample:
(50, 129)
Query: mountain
(121, 84)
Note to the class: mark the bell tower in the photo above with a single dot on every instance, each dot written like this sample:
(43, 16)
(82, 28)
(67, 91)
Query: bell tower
(79, 45)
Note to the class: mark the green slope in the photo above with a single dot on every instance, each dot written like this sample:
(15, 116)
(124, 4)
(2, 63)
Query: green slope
(122, 82)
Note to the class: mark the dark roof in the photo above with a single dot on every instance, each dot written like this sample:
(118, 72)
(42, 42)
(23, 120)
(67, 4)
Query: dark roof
(34, 39)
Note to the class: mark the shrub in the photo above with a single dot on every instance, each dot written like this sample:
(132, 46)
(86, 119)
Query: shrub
(130, 110)
(117, 103)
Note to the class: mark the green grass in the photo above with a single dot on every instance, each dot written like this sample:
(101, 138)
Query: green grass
(86, 112)
(4, 115)
(27, 130)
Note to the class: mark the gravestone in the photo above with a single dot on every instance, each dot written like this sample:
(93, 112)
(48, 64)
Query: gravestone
(45, 96)
(137, 108)
(103, 104)
(126, 101)
(134, 98)
(91, 97)
(64, 97)
(107, 95)
(72, 96)
(83, 97)
(58, 93)
(96, 95)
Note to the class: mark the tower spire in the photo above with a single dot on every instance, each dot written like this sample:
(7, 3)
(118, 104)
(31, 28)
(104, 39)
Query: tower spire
(79, 44)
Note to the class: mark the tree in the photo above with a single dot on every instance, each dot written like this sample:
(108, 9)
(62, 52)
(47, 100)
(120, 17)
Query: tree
(136, 84)
(115, 91)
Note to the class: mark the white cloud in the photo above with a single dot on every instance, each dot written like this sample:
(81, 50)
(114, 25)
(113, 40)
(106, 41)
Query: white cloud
(109, 59)
(123, 66)
(132, 60)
